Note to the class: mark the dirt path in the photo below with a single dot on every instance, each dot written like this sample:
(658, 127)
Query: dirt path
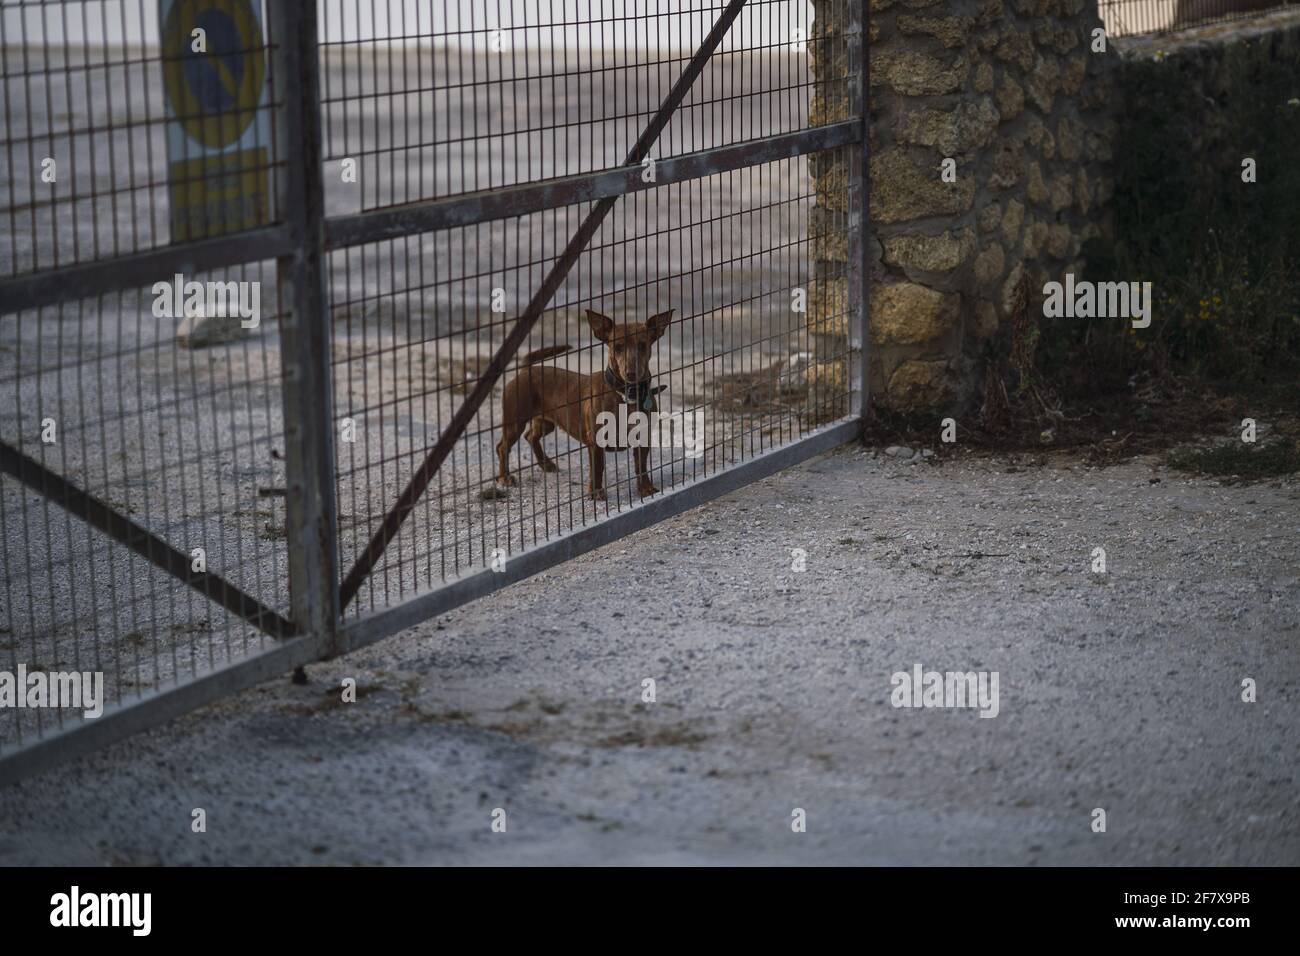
(773, 687)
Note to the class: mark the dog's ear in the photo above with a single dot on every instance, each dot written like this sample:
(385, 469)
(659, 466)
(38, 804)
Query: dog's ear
(657, 325)
(601, 325)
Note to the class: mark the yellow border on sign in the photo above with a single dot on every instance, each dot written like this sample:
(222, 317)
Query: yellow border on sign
(213, 195)
(213, 130)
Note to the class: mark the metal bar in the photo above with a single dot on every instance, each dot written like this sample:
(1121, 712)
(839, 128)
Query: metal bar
(153, 708)
(859, 220)
(307, 381)
(65, 283)
(373, 627)
(486, 205)
(460, 421)
(140, 540)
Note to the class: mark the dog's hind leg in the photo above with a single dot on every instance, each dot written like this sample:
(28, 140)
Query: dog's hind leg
(510, 432)
(538, 429)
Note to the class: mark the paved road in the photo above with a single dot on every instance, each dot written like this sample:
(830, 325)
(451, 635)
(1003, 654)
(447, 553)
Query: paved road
(1120, 692)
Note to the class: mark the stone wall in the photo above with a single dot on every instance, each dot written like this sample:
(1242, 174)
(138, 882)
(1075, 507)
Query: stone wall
(1013, 93)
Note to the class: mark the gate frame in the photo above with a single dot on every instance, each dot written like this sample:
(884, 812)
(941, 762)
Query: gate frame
(299, 242)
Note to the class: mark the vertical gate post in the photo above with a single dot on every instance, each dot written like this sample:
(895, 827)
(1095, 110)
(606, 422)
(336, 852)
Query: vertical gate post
(835, 223)
(306, 376)
(859, 219)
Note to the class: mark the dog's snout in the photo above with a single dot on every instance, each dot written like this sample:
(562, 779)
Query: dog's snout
(632, 359)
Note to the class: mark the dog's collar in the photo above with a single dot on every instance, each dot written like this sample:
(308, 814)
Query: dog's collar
(638, 394)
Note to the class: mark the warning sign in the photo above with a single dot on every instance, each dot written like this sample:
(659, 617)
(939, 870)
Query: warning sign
(219, 121)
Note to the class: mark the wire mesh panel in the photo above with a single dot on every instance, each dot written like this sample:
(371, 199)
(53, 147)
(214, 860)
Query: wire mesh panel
(110, 125)
(476, 99)
(414, 320)
(184, 443)
(430, 100)
(142, 508)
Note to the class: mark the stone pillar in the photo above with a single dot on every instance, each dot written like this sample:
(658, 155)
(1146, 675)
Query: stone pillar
(1012, 92)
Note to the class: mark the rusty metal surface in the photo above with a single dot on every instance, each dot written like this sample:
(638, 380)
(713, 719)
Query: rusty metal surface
(484, 206)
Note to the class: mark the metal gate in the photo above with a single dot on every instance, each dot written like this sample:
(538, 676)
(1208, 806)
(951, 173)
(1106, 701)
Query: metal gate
(442, 191)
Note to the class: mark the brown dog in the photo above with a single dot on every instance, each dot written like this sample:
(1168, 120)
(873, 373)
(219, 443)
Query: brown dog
(540, 398)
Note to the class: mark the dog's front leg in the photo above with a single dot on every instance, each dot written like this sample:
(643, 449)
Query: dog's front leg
(597, 488)
(644, 486)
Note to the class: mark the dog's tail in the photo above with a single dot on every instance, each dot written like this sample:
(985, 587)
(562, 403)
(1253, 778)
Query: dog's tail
(540, 354)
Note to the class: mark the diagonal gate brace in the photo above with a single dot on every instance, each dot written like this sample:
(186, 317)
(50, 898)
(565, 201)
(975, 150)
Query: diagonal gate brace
(550, 285)
(141, 540)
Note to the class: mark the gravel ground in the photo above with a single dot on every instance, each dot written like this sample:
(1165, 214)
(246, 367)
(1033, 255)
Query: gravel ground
(1120, 691)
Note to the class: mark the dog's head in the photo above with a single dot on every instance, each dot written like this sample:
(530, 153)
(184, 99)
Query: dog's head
(629, 343)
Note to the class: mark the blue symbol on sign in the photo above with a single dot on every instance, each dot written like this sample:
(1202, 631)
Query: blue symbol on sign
(214, 77)
(215, 92)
